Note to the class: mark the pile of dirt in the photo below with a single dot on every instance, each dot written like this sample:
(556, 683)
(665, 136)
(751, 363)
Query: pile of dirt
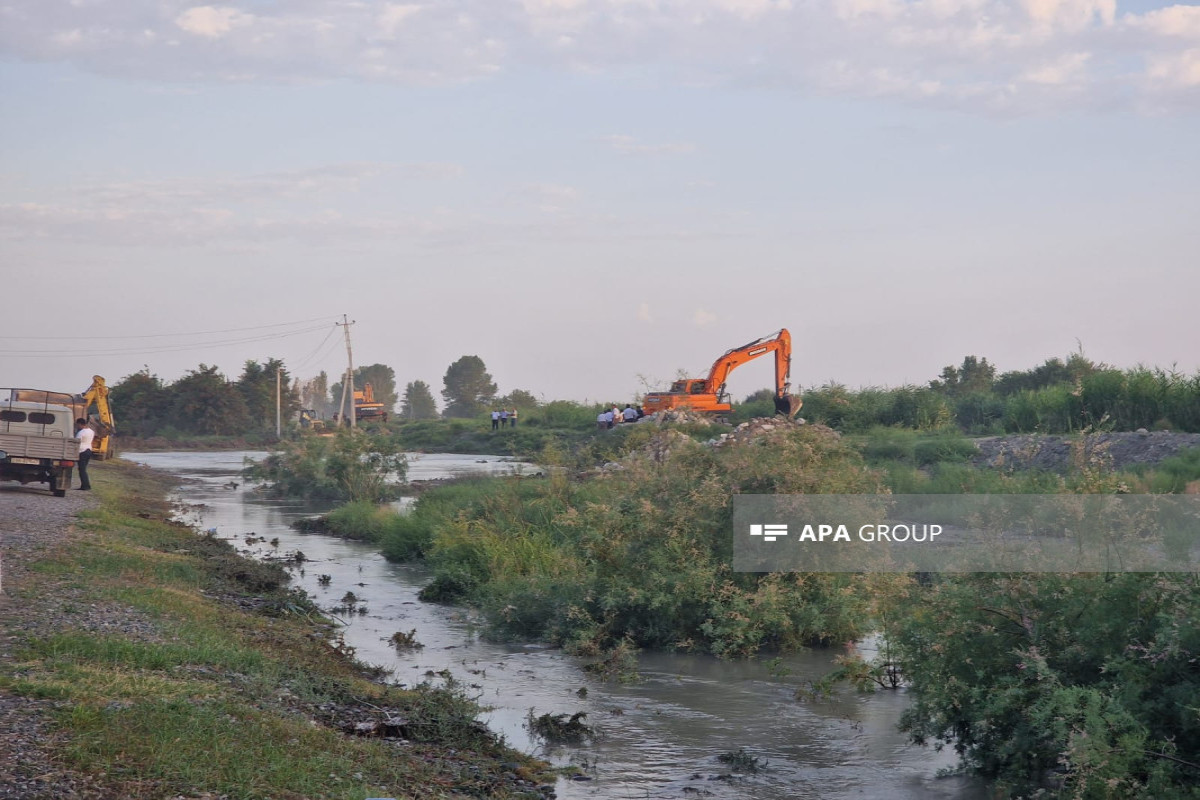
(1058, 453)
(760, 428)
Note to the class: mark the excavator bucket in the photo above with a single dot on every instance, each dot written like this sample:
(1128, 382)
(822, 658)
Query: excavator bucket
(788, 405)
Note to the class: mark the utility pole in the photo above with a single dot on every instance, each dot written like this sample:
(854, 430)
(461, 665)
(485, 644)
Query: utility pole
(348, 383)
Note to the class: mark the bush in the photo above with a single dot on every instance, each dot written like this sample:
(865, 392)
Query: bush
(351, 466)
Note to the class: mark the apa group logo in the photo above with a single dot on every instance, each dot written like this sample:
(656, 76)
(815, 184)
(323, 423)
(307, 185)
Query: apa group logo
(769, 533)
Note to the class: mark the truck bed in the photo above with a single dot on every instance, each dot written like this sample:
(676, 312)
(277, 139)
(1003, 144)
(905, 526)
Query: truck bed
(20, 445)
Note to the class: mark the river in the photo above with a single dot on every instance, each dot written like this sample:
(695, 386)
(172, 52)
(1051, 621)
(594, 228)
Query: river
(660, 736)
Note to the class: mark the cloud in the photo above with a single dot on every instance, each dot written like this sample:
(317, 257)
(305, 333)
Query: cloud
(393, 16)
(1173, 21)
(1181, 70)
(551, 197)
(986, 56)
(1065, 69)
(212, 21)
(299, 204)
(628, 145)
(703, 318)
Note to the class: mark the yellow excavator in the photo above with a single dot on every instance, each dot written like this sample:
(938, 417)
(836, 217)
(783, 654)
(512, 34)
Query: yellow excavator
(708, 396)
(102, 421)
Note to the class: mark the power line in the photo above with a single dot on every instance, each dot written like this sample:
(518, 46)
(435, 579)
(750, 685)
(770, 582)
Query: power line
(165, 335)
(173, 348)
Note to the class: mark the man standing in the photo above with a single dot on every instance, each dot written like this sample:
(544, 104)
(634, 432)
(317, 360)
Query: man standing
(85, 435)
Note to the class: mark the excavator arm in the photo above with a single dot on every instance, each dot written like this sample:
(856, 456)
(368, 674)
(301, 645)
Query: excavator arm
(97, 395)
(779, 343)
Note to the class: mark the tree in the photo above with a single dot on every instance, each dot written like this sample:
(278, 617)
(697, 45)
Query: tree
(469, 388)
(314, 394)
(383, 383)
(975, 375)
(418, 402)
(258, 387)
(204, 402)
(519, 399)
(141, 403)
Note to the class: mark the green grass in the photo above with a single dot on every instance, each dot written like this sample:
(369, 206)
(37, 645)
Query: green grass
(201, 696)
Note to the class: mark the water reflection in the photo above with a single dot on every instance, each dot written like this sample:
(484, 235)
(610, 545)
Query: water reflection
(661, 736)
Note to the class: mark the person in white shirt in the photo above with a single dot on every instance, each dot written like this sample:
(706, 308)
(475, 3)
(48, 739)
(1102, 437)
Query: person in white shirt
(629, 414)
(85, 435)
(602, 420)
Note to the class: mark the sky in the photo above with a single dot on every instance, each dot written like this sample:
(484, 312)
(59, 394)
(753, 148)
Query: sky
(594, 195)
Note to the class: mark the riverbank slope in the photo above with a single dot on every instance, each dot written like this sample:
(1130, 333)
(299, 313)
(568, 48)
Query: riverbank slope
(139, 659)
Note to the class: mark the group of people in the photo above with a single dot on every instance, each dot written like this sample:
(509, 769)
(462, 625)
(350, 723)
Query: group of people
(503, 417)
(614, 416)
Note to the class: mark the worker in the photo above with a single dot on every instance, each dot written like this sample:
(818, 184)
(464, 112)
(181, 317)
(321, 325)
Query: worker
(85, 434)
(512, 418)
(629, 414)
(602, 420)
(495, 419)
(504, 418)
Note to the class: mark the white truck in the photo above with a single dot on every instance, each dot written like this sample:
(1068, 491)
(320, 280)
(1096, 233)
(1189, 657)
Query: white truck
(37, 437)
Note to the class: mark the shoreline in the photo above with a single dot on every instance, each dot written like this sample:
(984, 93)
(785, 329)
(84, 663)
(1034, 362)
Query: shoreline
(142, 659)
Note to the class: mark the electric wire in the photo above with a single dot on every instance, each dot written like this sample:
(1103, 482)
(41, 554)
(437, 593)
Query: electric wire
(166, 335)
(166, 348)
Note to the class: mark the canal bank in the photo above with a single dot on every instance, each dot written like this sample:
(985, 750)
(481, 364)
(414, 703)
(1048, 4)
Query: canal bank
(661, 737)
(141, 660)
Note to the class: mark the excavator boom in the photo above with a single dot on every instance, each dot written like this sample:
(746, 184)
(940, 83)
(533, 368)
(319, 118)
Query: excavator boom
(709, 395)
(97, 395)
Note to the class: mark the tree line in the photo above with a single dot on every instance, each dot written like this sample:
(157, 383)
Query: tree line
(1059, 396)
(204, 402)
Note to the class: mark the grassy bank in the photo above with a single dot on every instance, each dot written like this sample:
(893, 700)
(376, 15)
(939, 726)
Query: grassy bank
(1054, 686)
(173, 666)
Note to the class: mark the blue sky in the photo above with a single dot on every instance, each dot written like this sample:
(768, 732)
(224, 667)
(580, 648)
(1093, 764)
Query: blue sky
(593, 194)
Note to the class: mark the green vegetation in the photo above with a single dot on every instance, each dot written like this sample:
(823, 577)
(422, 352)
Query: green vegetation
(196, 695)
(469, 388)
(352, 465)
(1084, 685)
(638, 556)
(1057, 397)
(418, 402)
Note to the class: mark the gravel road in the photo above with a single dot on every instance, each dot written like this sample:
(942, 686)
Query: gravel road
(32, 521)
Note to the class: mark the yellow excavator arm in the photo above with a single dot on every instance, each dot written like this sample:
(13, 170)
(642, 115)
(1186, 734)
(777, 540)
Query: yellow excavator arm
(102, 421)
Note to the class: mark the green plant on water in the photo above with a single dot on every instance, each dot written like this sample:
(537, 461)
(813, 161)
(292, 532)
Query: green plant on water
(349, 466)
(741, 761)
(560, 728)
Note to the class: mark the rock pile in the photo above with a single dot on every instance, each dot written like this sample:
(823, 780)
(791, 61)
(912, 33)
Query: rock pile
(1058, 453)
(757, 429)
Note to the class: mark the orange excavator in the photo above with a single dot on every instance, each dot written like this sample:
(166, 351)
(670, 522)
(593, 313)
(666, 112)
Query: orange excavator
(708, 396)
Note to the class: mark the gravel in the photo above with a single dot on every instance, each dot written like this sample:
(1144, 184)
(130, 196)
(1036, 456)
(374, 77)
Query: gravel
(33, 521)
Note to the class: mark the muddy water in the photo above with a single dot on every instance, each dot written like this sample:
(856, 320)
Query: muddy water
(660, 736)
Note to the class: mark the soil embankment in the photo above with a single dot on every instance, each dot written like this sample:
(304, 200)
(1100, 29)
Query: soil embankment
(1060, 453)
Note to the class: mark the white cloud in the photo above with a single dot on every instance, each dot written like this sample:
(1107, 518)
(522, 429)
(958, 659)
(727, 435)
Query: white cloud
(628, 145)
(1070, 15)
(973, 55)
(1068, 68)
(1172, 21)
(1176, 71)
(212, 21)
(703, 318)
(750, 9)
(393, 16)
